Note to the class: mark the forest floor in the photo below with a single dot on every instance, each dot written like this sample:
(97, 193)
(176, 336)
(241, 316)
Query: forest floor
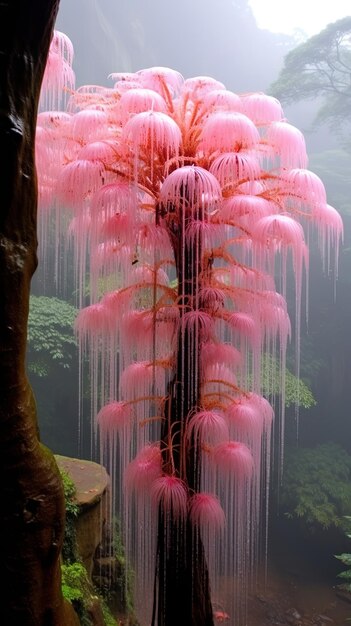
(299, 591)
(285, 601)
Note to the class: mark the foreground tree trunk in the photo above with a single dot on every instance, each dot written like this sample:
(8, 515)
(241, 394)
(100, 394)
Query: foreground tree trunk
(32, 510)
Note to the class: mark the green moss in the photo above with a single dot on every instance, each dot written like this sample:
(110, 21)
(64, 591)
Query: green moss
(69, 548)
(76, 586)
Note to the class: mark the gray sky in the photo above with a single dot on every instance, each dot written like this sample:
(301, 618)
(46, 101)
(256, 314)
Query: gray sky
(309, 15)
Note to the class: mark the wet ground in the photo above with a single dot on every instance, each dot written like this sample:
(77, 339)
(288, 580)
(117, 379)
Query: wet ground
(297, 600)
(302, 587)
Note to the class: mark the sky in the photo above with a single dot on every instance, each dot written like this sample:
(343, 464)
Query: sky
(311, 16)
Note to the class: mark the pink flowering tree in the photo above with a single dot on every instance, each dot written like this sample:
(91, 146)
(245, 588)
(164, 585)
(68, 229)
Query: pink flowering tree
(188, 203)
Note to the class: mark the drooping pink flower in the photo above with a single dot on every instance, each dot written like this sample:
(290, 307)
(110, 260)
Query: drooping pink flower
(205, 512)
(193, 187)
(281, 229)
(245, 417)
(228, 132)
(231, 167)
(207, 427)
(233, 458)
(199, 323)
(219, 377)
(211, 298)
(262, 109)
(79, 180)
(287, 143)
(215, 353)
(305, 186)
(221, 100)
(143, 470)
(89, 125)
(114, 417)
(170, 494)
(157, 78)
(117, 302)
(151, 236)
(137, 327)
(151, 131)
(118, 227)
(264, 407)
(93, 320)
(138, 101)
(138, 380)
(199, 86)
(245, 325)
(144, 274)
(241, 206)
(59, 75)
(204, 231)
(330, 232)
(104, 151)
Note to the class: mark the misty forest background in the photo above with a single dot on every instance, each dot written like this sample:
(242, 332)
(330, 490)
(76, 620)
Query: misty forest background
(219, 39)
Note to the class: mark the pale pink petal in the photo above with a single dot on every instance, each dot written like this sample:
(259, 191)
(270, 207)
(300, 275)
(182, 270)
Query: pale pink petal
(152, 131)
(199, 323)
(288, 144)
(92, 320)
(193, 187)
(232, 167)
(233, 458)
(205, 512)
(207, 427)
(219, 353)
(228, 132)
(143, 470)
(262, 109)
(140, 100)
(169, 493)
(114, 417)
(221, 100)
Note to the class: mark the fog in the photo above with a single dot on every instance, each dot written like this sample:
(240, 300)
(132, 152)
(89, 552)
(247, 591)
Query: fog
(221, 39)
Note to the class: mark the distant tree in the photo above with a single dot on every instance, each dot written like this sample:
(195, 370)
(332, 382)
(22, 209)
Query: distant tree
(320, 67)
(51, 338)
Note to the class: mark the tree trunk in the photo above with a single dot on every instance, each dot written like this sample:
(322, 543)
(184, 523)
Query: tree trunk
(182, 595)
(32, 510)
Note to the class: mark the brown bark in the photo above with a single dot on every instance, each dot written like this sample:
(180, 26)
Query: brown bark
(182, 592)
(32, 508)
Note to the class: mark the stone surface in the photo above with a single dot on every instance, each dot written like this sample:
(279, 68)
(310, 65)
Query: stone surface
(91, 481)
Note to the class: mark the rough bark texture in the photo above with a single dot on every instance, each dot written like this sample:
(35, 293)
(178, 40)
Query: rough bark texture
(32, 509)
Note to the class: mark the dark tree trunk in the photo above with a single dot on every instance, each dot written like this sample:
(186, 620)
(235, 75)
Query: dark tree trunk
(32, 509)
(182, 595)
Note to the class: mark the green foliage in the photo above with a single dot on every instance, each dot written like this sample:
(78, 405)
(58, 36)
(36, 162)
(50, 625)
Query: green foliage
(75, 583)
(76, 586)
(108, 617)
(51, 339)
(69, 489)
(69, 548)
(297, 393)
(124, 579)
(345, 558)
(320, 66)
(317, 485)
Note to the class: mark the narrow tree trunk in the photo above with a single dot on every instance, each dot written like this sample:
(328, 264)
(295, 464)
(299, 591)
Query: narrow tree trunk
(183, 589)
(32, 508)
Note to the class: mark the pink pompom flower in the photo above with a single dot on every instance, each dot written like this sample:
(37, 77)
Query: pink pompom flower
(205, 512)
(169, 493)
